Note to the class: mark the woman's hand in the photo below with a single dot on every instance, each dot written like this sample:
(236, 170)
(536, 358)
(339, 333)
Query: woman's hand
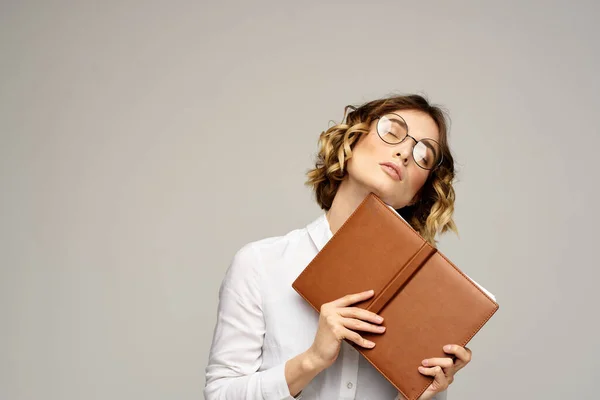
(339, 321)
(444, 369)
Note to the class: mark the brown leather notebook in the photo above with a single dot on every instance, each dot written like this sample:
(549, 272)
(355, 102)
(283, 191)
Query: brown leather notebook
(425, 300)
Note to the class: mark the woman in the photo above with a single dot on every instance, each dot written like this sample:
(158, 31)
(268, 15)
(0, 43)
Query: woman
(268, 342)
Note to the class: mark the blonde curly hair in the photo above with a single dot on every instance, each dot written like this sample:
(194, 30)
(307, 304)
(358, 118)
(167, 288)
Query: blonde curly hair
(432, 213)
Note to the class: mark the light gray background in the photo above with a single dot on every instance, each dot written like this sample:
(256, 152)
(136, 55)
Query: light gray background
(144, 142)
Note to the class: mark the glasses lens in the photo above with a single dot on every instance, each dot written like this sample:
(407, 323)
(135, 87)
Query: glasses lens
(427, 153)
(392, 128)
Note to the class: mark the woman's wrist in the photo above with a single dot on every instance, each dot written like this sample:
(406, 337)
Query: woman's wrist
(300, 370)
(312, 363)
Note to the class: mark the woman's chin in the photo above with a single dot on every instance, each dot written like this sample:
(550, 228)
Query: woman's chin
(389, 194)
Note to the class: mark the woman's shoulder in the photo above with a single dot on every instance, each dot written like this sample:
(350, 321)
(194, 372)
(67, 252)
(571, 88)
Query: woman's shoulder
(254, 258)
(274, 245)
(296, 242)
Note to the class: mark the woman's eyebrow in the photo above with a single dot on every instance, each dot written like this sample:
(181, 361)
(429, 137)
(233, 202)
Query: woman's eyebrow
(400, 122)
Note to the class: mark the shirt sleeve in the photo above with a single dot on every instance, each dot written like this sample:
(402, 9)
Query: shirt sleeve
(235, 355)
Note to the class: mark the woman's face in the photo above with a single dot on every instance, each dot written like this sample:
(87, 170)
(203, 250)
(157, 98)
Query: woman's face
(366, 172)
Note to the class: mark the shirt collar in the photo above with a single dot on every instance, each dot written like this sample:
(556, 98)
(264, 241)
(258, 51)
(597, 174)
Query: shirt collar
(319, 231)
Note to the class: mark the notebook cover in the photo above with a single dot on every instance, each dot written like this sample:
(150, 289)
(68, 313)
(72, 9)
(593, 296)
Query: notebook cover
(425, 300)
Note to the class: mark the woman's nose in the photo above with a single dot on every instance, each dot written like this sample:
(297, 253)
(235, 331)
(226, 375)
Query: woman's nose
(403, 151)
(403, 156)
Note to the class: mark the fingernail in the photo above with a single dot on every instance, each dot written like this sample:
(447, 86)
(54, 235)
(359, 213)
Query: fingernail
(379, 319)
(422, 369)
(370, 344)
(425, 362)
(447, 347)
(371, 291)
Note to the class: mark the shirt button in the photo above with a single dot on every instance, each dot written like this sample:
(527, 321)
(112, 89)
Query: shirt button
(349, 385)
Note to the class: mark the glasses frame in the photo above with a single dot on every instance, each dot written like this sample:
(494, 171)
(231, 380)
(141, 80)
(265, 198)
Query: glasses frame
(412, 153)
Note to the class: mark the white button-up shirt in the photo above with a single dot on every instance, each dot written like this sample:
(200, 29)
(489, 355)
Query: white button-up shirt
(262, 322)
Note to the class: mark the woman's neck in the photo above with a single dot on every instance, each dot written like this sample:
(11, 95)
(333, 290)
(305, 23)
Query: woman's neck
(347, 198)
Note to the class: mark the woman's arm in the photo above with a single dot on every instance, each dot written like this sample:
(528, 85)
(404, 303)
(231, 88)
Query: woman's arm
(236, 351)
(299, 371)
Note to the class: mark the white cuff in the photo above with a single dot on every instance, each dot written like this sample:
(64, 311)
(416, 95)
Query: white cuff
(274, 386)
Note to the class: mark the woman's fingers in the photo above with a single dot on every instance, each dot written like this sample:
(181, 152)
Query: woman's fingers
(356, 338)
(343, 320)
(358, 325)
(463, 354)
(440, 381)
(342, 307)
(437, 372)
(352, 299)
(359, 313)
(442, 362)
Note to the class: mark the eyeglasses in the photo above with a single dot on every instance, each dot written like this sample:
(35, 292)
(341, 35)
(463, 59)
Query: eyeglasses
(393, 129)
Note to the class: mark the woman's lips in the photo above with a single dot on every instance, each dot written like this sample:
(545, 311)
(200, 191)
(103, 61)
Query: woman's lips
(392, 170)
